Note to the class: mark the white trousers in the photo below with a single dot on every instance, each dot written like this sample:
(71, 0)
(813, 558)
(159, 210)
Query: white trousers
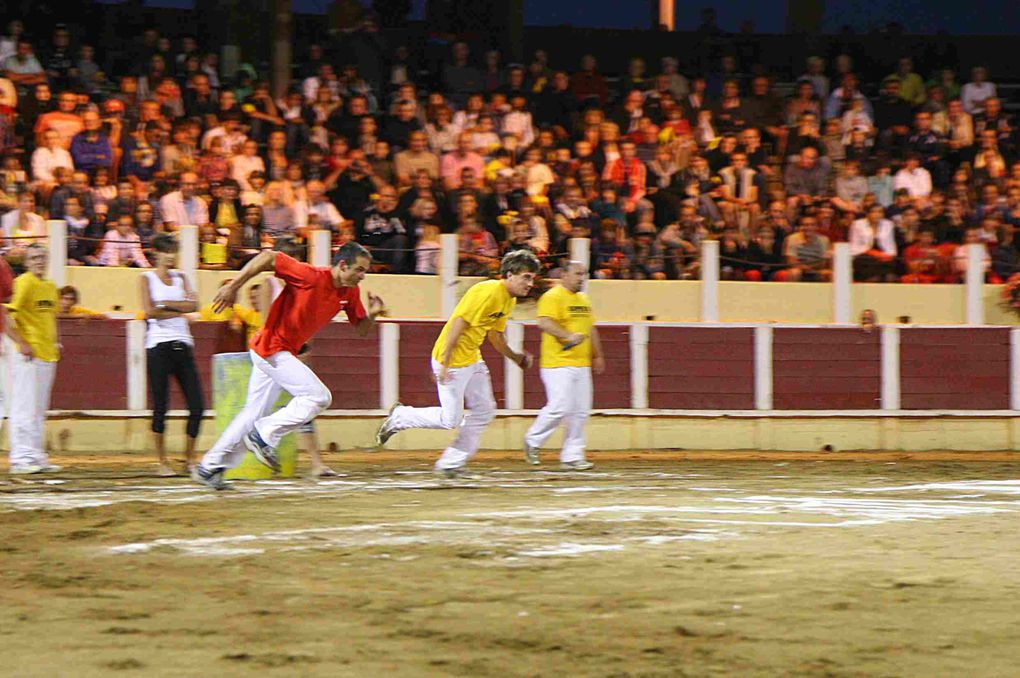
(269, 376)
(467, 387)
(29, 398)
(568, 401)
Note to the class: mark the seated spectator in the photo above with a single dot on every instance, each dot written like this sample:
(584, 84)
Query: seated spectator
(808, 254)
(256, 193)
(22, 68)
(739, 202)
(925, 261)
(612, 253)
(851, 188)
(69, 308)
(478, 250)
(122, 247)
(764, 255)
(213, 164)
(124, 202)
(142, 153)
(873, 246)
(81, 236)
(47, 158)
(316, 203)
(246, 240)
(382, 230)
(416, 157)
(806, 180)
(91, 147)
(881, 185)
(977, 91)
(1006, 257)
(427, 250)
(225, 209)
(961, 257)
(915, 179)
(533, 224)
(229, 131)
(278, 218)
(588, 85)
(182, 207)
(648, 263)
(912, 89)
(78, 186)
(64, 121)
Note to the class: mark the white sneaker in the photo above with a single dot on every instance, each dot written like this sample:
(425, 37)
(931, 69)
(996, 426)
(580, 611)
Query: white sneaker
(455, 474)
(531, 455)
(51, 468)
(27, 469)
(385, 432)
(579, 465)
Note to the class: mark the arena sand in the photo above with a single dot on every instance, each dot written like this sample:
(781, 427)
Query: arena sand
(652, 565)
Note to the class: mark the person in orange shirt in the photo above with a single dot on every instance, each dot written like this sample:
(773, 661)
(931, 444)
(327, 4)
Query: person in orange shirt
(64, 121)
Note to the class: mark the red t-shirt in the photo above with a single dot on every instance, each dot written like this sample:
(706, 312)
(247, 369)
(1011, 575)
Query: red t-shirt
(6, 287)
(307, 303)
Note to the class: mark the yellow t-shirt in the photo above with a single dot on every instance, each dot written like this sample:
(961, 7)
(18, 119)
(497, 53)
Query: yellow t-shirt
(572, 310)
(251, 318)
(34, 306)
(485, 307)
(82, 312)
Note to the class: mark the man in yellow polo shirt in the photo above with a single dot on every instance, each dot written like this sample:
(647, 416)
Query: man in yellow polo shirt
(34, 307)
(570, 348)
(462, 378)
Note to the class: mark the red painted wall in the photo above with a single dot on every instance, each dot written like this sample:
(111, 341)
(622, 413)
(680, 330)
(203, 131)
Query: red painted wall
(958, 369)
(695, 368)
(612, 389)
(210, 339)
(92, 374)
(348, 365)
(826, 369)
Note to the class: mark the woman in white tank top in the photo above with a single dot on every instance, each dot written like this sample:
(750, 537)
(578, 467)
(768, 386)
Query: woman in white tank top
(166, 298)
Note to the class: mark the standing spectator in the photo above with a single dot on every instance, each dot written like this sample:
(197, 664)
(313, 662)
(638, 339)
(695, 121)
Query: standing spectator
(381, 229)
(122, 246)
(975, 92)
(182, 207)
(166, 299)
(34, 306)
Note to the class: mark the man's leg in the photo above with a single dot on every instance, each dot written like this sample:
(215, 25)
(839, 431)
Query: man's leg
(576, 419)
(451, 404)
(22, 412)
(310, 396)
(481, 408)
(558, 401)
(45, 372)
(229, 449)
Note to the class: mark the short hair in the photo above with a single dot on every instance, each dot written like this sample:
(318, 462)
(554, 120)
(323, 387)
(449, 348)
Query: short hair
(70, 290)
(165, 243)
(350, 251)
(519, 261)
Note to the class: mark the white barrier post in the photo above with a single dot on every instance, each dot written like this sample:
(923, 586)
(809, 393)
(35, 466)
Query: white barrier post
(187, 253)
(580, 250)
(449, 263)
(842, 279)
(890, 368)
(136, 368)
(763, 367)
(975, 284)
(56, 230)
(513, 375)
(639, 366)
(389, 364)
(320, 246)
(710, 281)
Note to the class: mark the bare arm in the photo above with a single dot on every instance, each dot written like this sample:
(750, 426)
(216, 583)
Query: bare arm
(227, 295)
(171, 309)
(550, 326)
(498, 341)
(598, 360)
(376, 308)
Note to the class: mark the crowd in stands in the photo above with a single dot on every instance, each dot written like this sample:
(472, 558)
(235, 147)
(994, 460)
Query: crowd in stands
(507, 156)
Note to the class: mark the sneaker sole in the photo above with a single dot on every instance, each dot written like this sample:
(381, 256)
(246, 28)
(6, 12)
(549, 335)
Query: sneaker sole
(271, 462)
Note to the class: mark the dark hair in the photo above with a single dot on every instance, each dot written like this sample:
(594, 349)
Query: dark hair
(165, 243)
(350, 251)
(70, 289)
(518, 261)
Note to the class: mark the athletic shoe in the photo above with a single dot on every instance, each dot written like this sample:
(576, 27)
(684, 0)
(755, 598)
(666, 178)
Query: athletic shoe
(579, 465)
(265, 453)
(212, 479)
(531, 455)
(384, 433)
(27, 469)
(166, 471)
(51, 468)
(454, 474)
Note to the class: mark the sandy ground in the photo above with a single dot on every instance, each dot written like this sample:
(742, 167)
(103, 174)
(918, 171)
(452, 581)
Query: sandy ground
(651, 565)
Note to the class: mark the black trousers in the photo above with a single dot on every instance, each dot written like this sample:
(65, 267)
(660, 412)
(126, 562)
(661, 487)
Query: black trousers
(174, 358)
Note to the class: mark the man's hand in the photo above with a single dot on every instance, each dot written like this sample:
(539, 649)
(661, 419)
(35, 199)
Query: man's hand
(525, 360)
(26, 350)
(573, 340)
(376, 307)
(443, 376)
(598, 364)
(224, 299)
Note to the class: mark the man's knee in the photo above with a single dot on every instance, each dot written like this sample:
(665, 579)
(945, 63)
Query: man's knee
(450, 418)
(322, 398)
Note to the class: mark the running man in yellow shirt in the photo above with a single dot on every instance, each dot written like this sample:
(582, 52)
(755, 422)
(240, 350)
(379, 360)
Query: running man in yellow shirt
(570, 349)
(461, 375)
(34, 330)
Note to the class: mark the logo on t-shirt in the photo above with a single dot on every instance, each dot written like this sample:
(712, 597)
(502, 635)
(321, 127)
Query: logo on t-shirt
(497, 316)
(579, 310)
(44, 303)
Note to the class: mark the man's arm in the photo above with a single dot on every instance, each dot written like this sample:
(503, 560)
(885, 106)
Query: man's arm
(23, 346)
(227, 295)
(453, 335)
(598, 360)
(376, 308)
(498, 341)
(550, 326)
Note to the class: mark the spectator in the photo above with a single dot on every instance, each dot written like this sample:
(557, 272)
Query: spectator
(452, 163)
(915, 179)
(851, 188)
(459, 77)
(23, 69)
(961, 256)
(81, 236)
(381, 228)
(69, 305)
(924, 261)
(588, 84)
(317, 205)
(22, 223)
(739, 202)
(183, 207)
(648, 263)
(64, 121)
(912, 89)
(977, 91)
(47, 157)
(806, 180)
(873, 246)
(764, 255)
(808, 254)
(122, 246)
(415, 157)
(278, 218)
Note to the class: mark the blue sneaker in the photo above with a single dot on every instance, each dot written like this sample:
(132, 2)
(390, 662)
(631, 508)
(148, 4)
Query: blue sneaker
(212, 479)
(266, 454)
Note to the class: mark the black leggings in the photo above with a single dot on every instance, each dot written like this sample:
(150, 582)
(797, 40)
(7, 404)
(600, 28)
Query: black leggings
(176, 358)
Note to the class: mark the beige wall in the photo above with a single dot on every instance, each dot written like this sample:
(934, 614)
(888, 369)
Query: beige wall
(411, 296)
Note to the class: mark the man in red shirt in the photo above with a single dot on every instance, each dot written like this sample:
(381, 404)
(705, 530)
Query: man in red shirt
(312, 297)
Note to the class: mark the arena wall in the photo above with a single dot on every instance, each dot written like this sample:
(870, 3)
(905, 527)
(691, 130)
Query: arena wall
(693, 386)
